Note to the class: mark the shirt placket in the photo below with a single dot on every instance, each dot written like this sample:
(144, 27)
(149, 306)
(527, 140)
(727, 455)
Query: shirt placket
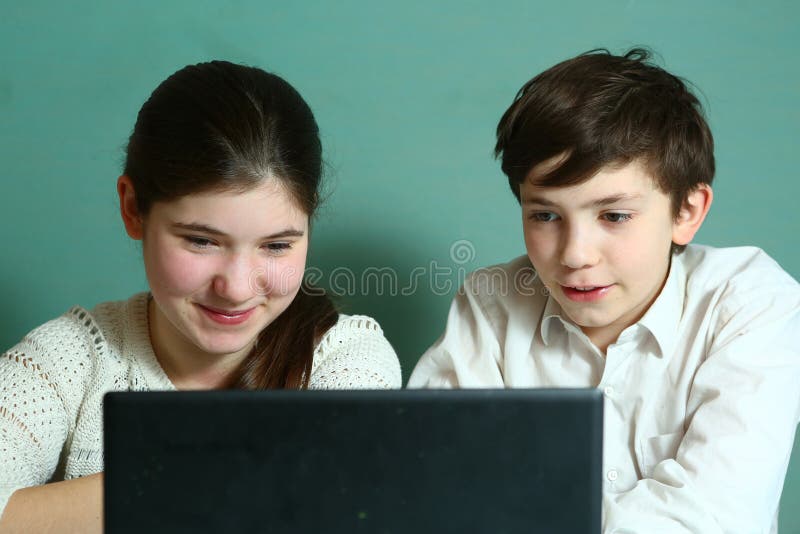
(619, 472)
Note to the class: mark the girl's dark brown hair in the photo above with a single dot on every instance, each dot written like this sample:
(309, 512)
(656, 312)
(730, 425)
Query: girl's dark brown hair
(600, 109)
(219, 126)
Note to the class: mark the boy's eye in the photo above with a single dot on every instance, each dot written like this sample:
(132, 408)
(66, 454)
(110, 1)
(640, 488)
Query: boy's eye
(543, 216)
(615, 217)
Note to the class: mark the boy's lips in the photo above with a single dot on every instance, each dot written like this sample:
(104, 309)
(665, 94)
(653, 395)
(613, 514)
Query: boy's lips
(585, 293)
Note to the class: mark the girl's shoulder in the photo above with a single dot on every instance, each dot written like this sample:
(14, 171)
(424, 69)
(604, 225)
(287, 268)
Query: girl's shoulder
(63, 351)
(355, 354)
(353, 325)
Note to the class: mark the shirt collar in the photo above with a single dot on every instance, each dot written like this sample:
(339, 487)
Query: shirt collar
(664, 315)
(661, 319)
(553, 314)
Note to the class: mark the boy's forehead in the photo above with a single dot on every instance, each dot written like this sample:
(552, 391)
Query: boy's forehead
(630, 179)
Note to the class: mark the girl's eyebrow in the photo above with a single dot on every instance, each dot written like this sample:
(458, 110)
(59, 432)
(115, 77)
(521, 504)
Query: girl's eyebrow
(210, 230)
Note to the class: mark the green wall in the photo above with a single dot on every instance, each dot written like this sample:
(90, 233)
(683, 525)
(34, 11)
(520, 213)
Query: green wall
(407, 95)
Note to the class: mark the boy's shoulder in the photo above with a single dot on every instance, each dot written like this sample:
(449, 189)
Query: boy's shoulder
(511, 288)
(502, 280)
(731, 276)
(738, 289)
(739, 268)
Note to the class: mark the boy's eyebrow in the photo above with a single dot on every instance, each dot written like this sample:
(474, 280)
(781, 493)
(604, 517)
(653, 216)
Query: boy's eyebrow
(204, 228)
(600, 202)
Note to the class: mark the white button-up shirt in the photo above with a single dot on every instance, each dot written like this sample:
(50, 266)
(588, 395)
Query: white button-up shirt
(702, 395)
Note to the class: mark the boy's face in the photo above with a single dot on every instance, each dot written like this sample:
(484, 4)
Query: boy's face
(601, 247)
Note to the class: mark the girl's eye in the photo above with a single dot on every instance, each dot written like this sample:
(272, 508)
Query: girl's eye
(543, 216)
(279, 246)
(198, 242)
(615, 217)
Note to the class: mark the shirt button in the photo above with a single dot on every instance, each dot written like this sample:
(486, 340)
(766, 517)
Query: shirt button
(609, 391)
(612, 475)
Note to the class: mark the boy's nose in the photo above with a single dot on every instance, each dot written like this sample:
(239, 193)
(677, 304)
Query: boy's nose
(578, 248)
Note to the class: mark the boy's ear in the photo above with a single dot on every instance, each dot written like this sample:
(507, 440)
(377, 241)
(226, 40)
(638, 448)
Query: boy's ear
(128, 209)
(692, 214)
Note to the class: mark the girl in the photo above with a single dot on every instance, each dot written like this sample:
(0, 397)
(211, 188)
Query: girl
(221, 181)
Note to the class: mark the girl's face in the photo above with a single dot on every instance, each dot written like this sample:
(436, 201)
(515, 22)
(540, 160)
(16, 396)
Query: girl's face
(221, 267)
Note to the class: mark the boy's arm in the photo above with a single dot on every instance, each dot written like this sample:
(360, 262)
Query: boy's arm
(742, 412)
(467, 354)
(69, 506)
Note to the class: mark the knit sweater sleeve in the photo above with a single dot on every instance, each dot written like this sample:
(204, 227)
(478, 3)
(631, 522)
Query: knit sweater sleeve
(40, 381)
(354, 354)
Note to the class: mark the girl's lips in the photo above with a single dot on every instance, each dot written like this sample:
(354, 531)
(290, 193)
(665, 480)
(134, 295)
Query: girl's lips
(226, 317)
(591, 295)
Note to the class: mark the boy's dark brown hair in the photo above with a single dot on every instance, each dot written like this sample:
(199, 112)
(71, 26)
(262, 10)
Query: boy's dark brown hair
(600, 109)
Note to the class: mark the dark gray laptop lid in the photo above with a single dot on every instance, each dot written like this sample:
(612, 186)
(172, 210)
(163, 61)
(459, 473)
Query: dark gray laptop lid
(494, 461)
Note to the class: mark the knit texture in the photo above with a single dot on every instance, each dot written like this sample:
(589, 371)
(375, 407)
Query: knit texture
(52, 384)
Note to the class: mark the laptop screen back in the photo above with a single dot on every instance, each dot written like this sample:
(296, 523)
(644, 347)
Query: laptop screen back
(494, 461)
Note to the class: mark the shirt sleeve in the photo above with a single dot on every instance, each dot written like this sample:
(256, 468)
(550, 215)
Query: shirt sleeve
(468, 352)
(33, 421)
(742, 411)
(354, 354)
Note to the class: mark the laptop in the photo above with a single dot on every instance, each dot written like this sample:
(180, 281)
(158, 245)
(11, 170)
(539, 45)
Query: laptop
(303, 462)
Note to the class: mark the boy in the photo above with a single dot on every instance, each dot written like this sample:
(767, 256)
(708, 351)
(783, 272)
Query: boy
(695, 348)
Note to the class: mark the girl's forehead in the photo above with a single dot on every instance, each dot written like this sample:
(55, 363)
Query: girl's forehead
(267, 194)
(264, 209)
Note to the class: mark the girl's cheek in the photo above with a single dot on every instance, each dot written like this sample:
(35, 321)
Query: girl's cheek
(279, 277)
(178, 272)
(291, 276)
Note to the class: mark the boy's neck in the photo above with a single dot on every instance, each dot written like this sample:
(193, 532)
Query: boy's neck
(605, 336)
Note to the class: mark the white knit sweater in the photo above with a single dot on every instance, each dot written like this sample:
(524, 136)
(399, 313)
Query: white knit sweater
(52, 384)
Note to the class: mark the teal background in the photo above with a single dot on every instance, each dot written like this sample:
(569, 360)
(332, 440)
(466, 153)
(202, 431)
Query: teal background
(407, 96)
